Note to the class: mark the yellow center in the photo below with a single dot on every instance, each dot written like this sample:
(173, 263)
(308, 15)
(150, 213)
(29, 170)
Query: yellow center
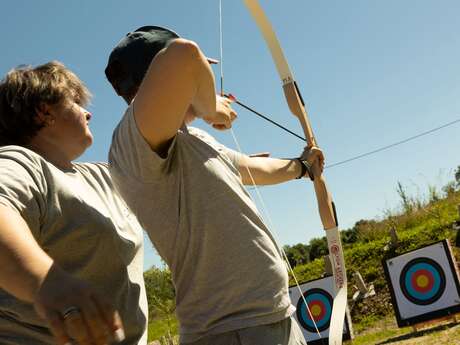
(422, 281)
(315, 311)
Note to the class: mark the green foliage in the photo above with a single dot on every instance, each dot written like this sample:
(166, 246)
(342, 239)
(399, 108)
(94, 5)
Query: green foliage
(450, 188)
(308, 272)
(406, 201)
(298, 254)
(318, 248)
(366, 230)
(160, 292)
(161, 301)
(161, 327)
(457, 176)
(349, 236)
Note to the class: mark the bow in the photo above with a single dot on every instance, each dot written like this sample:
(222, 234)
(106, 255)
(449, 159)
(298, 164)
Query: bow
(325, 205)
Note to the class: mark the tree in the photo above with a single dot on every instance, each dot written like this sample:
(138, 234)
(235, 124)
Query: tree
(160, 291)
(457, 176)
(298, 254)
(318, 248)
(450, 188)
(349, 236)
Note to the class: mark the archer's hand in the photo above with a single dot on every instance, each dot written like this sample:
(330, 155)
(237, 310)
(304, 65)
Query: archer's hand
(75, 313)
(224, 116)
(314, 156)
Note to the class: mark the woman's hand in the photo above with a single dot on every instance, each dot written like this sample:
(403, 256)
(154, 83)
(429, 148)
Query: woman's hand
(224, 116)
(75, 312)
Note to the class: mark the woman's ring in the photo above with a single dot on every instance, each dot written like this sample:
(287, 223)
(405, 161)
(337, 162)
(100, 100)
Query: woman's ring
(69, 312)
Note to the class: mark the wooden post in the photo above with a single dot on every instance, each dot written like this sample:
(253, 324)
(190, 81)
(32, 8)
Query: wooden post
(360, 282)
(394, 238)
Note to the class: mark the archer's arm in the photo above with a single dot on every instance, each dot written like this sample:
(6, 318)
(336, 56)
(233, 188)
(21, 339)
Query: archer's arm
(178, 79)
(267, 171)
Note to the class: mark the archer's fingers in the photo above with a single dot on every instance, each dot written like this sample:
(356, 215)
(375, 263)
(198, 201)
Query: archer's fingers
(233, 115)
(221, 127)
(321, 157)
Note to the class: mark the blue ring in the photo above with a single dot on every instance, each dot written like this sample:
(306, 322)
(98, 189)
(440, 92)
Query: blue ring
(411, 289)
(439, 281)
(302, 313)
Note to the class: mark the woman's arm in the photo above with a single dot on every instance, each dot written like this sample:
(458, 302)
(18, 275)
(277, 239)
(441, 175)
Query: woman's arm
(23, 264)
(29, 274)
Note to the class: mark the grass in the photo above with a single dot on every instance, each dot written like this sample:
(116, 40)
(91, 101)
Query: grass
(160, 327)
(386, 332)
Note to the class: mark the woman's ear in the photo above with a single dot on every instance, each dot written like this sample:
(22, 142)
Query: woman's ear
(44, 116)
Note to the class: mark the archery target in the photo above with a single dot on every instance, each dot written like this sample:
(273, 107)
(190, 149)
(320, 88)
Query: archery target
(319, 304)
(319, 295)
(423, 283)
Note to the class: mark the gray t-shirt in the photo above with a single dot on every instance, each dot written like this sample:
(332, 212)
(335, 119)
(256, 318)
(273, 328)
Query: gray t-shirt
(83, 224)
(227, 269)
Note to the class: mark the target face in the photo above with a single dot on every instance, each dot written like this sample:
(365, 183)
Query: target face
(319, 296)
(422, 281)
(320, 304)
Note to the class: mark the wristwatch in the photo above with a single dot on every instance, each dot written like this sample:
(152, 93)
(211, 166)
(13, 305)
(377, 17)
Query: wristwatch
(306, 169)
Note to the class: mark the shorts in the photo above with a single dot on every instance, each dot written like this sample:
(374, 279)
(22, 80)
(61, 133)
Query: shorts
(285, 332)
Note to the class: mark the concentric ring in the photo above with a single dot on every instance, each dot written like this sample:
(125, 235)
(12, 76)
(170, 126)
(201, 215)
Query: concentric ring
(320, 304)
(422, 281)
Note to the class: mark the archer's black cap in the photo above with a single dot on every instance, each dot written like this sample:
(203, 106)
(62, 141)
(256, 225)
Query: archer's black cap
(130, 59)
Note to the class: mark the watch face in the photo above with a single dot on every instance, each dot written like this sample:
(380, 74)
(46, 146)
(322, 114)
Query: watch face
(306, 169)
(305, 162)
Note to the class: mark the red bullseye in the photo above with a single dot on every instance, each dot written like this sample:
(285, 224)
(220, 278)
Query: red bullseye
(317, 310)
(422, 281)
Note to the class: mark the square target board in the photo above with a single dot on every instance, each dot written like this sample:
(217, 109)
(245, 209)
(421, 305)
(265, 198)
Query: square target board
(423, 283)
(319, 295)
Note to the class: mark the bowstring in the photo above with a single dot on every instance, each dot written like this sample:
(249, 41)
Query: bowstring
(271, 226)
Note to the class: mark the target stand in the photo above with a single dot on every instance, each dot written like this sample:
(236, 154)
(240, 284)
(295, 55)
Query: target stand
(424, 284)
(319, 294)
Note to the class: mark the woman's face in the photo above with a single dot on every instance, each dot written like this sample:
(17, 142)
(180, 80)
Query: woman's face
(69, 128)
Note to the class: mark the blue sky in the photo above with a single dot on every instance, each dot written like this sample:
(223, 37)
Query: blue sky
(372, 73)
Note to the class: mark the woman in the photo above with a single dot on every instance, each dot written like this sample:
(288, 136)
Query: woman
(70, 250)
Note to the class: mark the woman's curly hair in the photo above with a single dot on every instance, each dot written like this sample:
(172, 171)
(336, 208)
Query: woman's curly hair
(24, 90)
